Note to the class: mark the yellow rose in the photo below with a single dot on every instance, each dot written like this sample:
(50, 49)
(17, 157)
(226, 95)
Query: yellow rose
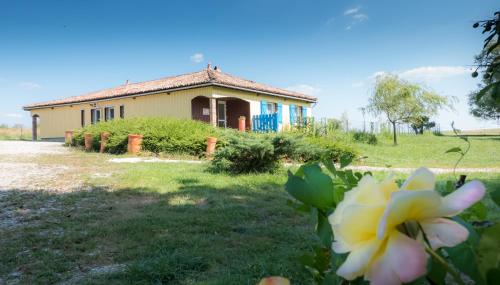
(378, 225)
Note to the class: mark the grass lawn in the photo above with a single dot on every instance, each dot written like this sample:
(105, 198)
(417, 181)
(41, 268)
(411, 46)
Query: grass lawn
(429, 150)
(15, 134)
(161, 223)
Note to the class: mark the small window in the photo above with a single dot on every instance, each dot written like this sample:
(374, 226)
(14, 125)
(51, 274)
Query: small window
(272, 108)
(82, 118)
(95, 116)
(298, 113)
(109, 113)
(122, 112)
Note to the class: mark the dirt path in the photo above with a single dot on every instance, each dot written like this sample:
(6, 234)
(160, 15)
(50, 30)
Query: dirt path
(435, 170)
(357, 168)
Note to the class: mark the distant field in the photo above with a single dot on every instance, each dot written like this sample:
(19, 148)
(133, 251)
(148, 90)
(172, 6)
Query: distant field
(484, 132)
(15, 134)
(429, 150)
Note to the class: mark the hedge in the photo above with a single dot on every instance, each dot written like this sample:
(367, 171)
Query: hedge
(168, 135)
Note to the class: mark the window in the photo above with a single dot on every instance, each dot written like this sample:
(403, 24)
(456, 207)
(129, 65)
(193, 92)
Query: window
(122, 112)
(298, 114)
(95, 116)
(272, 108)
(82, 118)
(109, 113)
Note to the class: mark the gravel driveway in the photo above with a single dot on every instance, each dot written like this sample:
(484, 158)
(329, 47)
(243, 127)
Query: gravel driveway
(30, 148)
(18, 169)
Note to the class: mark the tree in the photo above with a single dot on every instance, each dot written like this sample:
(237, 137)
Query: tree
(422, 123)
(485, 102)
(404, 102)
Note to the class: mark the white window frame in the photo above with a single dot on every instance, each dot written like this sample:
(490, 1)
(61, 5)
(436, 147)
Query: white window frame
(272, 107)
(106, 117)
(93, 113)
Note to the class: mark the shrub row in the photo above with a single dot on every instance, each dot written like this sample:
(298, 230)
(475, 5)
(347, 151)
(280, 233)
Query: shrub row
(246, 153)
(168, 135)
(364, 137)
(236, 152)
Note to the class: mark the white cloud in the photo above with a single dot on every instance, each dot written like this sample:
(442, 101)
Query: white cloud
(424, 74)
(433, 73)
(197, 58)
(11, 115)
(304, 89)
(29, 85)
(355, 16)
(360, 17)
(351, 11)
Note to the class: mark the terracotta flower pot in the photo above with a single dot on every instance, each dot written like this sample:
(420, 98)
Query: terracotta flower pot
(104, 140)
(88, 141)
(68, 137)
(241, 124)
(134, 143)
(211, 141)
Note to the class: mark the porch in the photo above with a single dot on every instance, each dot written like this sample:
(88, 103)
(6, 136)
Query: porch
(222, 112)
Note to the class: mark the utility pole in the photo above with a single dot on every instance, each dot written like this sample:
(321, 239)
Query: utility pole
(363, 110)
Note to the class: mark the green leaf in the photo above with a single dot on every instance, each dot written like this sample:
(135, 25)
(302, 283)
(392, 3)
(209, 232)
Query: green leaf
(324, 230)
(478, 211)
(330, 166)
(311, 186)
(493, 276)
(345, 160)
(489, 249)
(437, 272)
(338, 193)
(464, 257)
(454, 149)
(495, 196)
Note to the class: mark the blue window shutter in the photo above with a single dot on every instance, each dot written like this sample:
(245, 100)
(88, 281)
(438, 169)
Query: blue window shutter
(263, 107)
(280, 113)
(292, 114)
(304, 112)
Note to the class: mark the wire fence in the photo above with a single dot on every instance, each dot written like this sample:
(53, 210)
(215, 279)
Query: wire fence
(369, 126)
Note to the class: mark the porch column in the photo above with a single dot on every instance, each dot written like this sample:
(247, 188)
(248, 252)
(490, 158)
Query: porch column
(213, 111)
(33, 128)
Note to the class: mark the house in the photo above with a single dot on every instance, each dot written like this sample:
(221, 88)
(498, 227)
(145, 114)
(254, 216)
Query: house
(208, 95)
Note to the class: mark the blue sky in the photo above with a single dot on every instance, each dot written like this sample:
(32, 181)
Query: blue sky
(331, 49)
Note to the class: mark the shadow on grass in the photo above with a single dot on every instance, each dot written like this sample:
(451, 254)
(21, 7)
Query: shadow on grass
(199, 234)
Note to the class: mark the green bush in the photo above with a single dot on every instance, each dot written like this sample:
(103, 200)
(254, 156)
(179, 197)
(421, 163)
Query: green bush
(364, 137)
(245, 153)
(322, 148)
(167, 135)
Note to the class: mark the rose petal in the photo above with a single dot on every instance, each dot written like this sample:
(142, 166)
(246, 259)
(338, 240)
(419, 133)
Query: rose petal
(402, 261)
(444, 232)
(462, 198)
(409, 205)
(358, 260)
(421, 179)
(359, 224)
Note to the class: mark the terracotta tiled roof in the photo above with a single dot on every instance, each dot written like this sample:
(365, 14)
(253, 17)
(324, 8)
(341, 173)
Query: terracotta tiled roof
(204, 77)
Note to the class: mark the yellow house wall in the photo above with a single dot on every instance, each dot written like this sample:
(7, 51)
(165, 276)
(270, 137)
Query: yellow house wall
(54, 121)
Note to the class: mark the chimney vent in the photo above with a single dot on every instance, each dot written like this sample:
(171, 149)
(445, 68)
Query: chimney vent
(209, 66)
(126, 82)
